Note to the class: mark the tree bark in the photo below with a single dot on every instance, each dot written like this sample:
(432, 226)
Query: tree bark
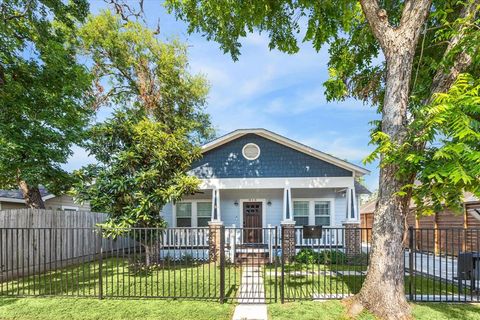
(151, 254)
(383, 291)
(31, 195)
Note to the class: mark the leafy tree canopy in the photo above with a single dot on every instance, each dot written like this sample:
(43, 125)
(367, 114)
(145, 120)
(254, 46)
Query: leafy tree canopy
(133, 67)
(141, 167)
(441, 150)
(146, 148)
(44, 105)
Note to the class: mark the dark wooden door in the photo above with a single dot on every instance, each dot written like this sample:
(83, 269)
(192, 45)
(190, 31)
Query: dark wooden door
(252, 222)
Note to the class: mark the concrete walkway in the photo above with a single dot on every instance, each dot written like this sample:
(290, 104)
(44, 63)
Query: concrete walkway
(251, 296)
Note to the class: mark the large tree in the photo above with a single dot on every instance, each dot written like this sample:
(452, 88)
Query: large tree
(43, 94)
(144, 151)
(405, 57)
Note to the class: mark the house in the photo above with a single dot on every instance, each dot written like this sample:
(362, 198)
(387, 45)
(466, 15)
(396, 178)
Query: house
(13, 199)
(255, 178)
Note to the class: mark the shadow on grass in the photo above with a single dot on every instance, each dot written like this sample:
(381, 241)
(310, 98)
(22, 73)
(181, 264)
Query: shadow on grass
(7, 301)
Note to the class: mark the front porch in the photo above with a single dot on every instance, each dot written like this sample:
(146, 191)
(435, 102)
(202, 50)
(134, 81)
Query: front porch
(268, 202)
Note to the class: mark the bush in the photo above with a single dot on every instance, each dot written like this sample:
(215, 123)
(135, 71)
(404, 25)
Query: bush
(308, 256)
(332, 257)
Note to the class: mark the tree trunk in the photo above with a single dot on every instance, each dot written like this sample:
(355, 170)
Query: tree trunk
(386, 267)
(383, 291)
(31, 195)
(151, 254)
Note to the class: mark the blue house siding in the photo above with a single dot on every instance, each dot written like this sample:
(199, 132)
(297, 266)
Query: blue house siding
(275, 161)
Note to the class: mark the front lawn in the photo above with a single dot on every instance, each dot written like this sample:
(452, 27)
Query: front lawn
(86, 309)
(304, 281)
(121, 279)
(334, 310)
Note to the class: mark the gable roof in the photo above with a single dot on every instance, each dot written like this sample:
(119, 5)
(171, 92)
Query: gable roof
(359, 171)
(17, 196)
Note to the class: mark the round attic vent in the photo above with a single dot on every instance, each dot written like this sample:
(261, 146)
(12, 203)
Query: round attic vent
(251, 151)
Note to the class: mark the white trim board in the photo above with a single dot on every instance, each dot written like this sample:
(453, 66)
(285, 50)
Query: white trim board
(357, 170)
(277, 183)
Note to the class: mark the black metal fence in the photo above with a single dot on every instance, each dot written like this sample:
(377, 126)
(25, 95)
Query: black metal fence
(247, 265)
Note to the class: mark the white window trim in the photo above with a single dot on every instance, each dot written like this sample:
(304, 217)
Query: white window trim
(70, 208)
(311, 209)
(251, 144)
(194, 211)
(264, 210)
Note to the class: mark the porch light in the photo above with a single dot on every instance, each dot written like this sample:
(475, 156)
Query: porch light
(269, 203)
(236, 203)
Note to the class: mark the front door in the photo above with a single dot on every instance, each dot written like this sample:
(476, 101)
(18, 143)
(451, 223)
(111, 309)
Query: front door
(252, 222)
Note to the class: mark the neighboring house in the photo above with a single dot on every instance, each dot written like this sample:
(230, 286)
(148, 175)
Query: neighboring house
(13, 199)
(254, 178)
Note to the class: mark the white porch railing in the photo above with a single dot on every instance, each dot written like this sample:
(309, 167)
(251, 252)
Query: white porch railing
(185, 237)
(331, 237)
(199, 237)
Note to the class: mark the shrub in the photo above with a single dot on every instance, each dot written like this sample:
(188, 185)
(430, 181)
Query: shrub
(308, 256)
(332, 257)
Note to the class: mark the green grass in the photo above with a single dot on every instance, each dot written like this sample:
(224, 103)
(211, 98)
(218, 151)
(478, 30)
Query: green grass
(76, 309)
(120, 279)
(86, 309)
(307, 310)
(302, 281)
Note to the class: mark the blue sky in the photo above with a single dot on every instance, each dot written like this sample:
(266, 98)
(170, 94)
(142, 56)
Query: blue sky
(268, 89)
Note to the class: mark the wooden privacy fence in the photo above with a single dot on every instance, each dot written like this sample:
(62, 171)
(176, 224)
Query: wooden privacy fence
(447, 231)
(39, 218)
(33, 239)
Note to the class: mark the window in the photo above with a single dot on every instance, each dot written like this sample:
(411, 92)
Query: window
(300, 212)
(69, 208)
(204, 213)
(251, 151)
(195, 211)
(322, 213)
(184, 214)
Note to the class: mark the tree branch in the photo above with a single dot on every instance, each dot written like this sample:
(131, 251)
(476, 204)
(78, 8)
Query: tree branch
(378, 20)
(443, 79)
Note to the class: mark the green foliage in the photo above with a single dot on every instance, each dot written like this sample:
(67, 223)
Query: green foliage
(132, 67)
(227, 21)
(441, 148)
(141, 167)
(449, 127)
(43, 91)
(146, 148)
(309, 256)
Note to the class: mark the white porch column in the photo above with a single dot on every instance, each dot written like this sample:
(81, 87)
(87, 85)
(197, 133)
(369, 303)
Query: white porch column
(287, 205)
(349, 203)
(216, 216)
(355, 205)
(352, 206)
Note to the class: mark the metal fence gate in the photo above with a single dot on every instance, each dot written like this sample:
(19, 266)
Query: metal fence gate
(228, 264)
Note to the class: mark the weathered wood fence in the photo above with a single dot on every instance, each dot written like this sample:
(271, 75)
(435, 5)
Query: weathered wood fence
(33, 240)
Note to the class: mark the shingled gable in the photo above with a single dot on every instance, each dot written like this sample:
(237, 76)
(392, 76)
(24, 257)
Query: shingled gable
(279, 157)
